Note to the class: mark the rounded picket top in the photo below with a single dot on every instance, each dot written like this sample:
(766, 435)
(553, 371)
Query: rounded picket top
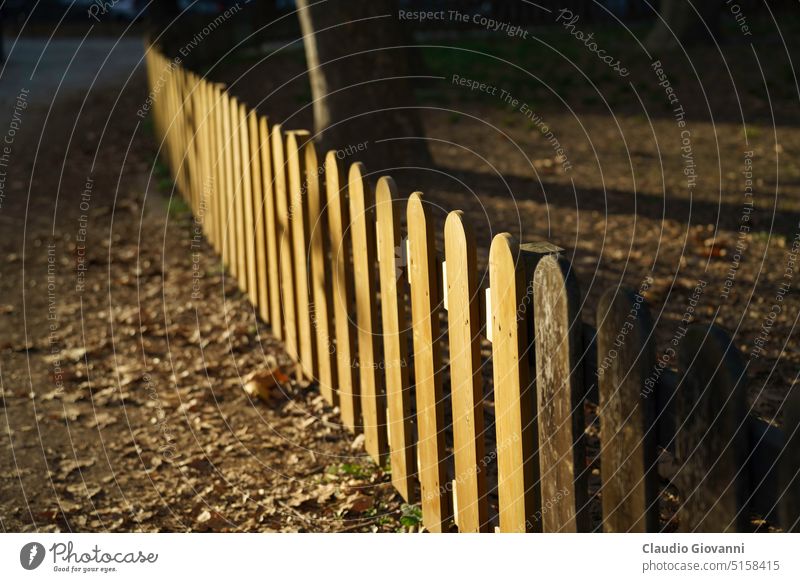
(711, 432)
(627, 411)
(456, 228)
(333, 173)
(355, 182)
(385, 191)
(504, 247)
(415, 210)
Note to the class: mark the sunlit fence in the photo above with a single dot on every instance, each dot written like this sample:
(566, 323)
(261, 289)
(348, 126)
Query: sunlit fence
(366, 309)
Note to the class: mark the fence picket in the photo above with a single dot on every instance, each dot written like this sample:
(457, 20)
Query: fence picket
(206, 149)
(711, 438)
(275, 316)
(425, 298)
(284, 239)
(228, 221)
(307, 259)
(627, 413)
(218, 161)
(395, 339)
(298, 216)
(560, 395)
(238, 241)
(514, 394)
(342, 279)
(247, 235)
(260, 243)
(371, 385)
(464, 326)
(321, 286)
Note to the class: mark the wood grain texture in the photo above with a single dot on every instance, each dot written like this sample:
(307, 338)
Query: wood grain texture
(560, 397)
(394, 289)
(270, 230)
(237, 227)
(343, 293)
(218, 201)
(711, 435)
(321, 286)
(425, 304)
(260, 235)
(248, 233)
(284, 239)
(629, 471)
(204, 98)
(371, 380)
(228, 220)
(464, 326)
(514, 393)
(298, 216)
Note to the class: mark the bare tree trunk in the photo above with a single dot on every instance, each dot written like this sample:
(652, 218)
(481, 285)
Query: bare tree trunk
(680, 25)
(358, 65)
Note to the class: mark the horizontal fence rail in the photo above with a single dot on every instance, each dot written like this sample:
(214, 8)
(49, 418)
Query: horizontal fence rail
(360, 307)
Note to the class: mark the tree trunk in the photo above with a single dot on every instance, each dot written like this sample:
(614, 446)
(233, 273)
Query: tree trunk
(680, 25)
(359, 82)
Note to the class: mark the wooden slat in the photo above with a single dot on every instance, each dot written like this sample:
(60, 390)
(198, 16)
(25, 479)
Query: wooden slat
(260, 239)
(237, 226)
(425, 299)
(342, 279)
(371, 380)
(560, 397)
(789, 468)
(284, 240)
(394, 289)
(247, 234)
(275, 314)
(298, 215)
(217, 167)
(627, 412)
(228, 220)
(196, 182)
(190, 128)
(322, 290)
(205, 156)
(514, 394)
(711, 438)
(464, 326)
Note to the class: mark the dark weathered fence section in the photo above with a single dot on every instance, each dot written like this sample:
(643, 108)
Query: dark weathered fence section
(319, 252)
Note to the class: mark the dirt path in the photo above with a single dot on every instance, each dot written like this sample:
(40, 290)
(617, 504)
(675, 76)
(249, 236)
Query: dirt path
(123, 346)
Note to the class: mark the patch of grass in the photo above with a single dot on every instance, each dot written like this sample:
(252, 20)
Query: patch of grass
(163, 176)
(177, 208)
(411, 515)
(351, 469)
(147, 125)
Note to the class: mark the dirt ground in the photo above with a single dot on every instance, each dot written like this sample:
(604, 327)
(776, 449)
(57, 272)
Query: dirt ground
(123, 350)
(122, 398)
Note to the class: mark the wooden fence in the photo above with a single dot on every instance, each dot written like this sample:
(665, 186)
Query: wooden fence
(318, 252)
